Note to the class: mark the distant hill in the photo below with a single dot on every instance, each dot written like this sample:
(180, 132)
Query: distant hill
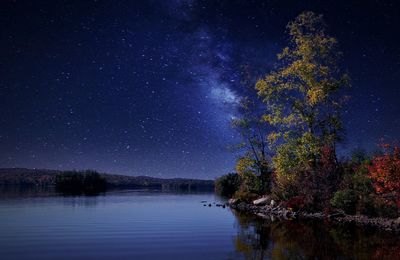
(39, 177)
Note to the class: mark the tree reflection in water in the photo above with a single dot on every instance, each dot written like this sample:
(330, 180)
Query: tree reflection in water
(300, 239)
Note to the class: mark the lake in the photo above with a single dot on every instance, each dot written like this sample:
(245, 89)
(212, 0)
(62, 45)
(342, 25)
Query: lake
(143, 224)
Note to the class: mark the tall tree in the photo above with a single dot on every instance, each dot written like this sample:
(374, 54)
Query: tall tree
(254, 157)
(303, 98)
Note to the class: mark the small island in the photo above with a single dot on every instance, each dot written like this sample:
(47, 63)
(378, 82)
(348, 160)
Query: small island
(74, 182)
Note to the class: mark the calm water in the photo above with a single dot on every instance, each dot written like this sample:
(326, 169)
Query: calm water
(159, 225)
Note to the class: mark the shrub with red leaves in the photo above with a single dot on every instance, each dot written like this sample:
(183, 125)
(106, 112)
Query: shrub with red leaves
(385, 174)
(296, 203)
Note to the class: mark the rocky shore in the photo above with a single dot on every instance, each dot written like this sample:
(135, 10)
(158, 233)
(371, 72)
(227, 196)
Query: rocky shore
(267, 209)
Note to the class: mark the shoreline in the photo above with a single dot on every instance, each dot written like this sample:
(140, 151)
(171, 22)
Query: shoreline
(270, 212)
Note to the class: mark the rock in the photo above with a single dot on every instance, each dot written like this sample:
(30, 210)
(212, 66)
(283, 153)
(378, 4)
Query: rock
(336, 215)
(242, 206)
(272, 203)
(261, 215)
(232, 201)
(262, 201)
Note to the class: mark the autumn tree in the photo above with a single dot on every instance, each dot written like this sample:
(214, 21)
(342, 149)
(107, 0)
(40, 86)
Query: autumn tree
(385, 174)
(253, 162)
(252, 129)
(303, 99)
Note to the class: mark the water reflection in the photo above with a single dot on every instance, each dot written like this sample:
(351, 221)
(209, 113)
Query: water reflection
(80, 201)
(30, 191)
(155, 224)
(25, 191)
(265, 239)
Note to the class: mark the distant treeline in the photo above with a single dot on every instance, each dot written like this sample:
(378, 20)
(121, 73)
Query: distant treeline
(87, 182)
(91, 180)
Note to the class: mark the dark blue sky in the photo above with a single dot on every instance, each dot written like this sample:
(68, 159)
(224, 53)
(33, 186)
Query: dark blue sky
(148, 88)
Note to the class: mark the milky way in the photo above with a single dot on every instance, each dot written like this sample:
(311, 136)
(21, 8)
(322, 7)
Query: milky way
(150, 88)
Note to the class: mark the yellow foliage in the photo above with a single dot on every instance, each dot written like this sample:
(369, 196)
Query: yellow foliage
(273, 137)
(315, 96)
(244, 165)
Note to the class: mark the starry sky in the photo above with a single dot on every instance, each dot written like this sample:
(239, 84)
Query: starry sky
(149, 87)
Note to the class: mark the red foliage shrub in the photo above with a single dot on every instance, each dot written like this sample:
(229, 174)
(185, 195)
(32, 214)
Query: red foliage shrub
(296, 203)
(385, 174)
(318, 185)
(312, 188)
(328, 160)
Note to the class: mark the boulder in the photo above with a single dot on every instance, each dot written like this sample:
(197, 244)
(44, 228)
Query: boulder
(285, 213)
(262, 201)
(336, 215)
(232, 201)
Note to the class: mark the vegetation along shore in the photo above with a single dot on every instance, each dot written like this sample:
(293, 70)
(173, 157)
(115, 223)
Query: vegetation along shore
(291, 126)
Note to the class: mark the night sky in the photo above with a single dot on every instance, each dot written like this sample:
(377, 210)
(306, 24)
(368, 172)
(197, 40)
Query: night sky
(149, 87)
